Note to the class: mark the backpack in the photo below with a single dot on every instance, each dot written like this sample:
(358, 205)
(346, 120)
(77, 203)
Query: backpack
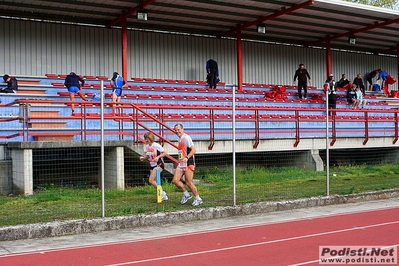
(376, 87)
(119, 82)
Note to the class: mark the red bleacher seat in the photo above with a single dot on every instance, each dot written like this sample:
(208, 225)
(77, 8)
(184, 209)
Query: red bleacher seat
(155, 96)
(63, 93)
(57, 84)
(51, 75)
(191, 81)
(159, 80)
(167, 96)
(134, 87)
(96, 86)
(181, 81)
(63, 76)
(108, 86)
(102, 77)
(137, 79)
(201, 82)
(90, 77)
(149, 79)
(171, 80)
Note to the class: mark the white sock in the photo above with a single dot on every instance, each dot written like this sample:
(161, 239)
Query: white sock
(185, 193)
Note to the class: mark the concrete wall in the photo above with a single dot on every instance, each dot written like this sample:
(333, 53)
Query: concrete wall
(5, 177)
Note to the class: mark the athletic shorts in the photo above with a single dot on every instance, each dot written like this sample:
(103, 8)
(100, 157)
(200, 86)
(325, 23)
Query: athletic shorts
(162, 166)
(190, 167)
(118, 92)
(73, 89)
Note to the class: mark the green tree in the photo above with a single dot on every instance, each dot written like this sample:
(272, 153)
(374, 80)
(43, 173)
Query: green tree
(381, 3)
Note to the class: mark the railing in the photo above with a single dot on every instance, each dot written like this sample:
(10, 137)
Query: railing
(251, 122)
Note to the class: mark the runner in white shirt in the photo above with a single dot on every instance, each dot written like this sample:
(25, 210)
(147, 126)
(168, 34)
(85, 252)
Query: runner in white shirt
(186, 166)
(154, 154)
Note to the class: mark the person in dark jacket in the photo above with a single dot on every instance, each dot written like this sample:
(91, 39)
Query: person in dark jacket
(73, 86)
(370, 77)
(12, 84)
(359, 83)
(330, 88)
(212, 71)
(343, 82)
(303, 75)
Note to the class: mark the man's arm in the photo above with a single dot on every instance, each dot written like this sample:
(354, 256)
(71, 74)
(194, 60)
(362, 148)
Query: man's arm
(192, 152)
(82, 81)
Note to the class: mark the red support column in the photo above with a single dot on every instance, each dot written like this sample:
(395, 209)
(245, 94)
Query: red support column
(124, 49)
(239, 59)
(397, 62)
(328, 56)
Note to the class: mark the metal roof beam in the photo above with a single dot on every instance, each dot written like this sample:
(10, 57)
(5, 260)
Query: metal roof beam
(130, 12)
(276, 14)
(367, 28)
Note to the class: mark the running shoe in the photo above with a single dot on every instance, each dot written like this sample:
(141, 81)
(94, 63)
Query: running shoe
(185, 198)
(164, 196)
(197, 202)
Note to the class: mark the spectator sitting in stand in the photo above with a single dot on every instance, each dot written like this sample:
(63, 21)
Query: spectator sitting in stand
(343, 82)
(359, 83)
(359, 97)
(12, 84)
(351, 96)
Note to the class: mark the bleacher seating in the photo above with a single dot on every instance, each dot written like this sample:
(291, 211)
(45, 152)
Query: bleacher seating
(185, 100)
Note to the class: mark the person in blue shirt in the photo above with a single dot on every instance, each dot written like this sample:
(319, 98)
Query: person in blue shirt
(212, 71)
(73, 83)
(117, 82)
(351, 96)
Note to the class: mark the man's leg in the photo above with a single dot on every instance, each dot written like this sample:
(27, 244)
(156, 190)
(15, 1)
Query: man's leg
(176, 180)
(72, 98)
(189, 181)
(299, 90)
(212, 77)
(80, 93)
(305, 89)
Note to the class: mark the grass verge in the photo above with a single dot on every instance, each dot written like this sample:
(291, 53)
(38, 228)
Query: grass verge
(253, 185)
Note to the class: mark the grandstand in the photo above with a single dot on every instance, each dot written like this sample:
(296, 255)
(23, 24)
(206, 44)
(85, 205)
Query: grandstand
(264, 114)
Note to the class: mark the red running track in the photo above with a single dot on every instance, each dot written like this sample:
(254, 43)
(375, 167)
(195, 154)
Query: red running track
(285, 243)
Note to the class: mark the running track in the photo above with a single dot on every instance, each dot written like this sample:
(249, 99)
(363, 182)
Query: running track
(284, 243)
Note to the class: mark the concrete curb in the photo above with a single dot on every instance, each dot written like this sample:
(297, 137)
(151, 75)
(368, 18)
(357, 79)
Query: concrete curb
(62, 228)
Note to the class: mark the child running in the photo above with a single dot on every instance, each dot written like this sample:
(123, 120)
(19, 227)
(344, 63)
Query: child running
(154, 154)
